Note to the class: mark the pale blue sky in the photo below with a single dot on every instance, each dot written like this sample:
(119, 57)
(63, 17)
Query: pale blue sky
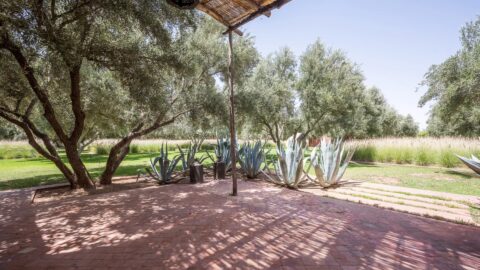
(393, 41)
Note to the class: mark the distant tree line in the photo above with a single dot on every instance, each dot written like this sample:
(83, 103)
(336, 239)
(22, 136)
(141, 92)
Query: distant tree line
(324, 95)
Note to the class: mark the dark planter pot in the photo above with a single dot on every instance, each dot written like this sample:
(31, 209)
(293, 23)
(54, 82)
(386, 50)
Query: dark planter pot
(196, 173)
(220, 170)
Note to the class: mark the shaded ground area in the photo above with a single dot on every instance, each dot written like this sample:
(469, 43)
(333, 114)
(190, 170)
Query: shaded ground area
(200, 227)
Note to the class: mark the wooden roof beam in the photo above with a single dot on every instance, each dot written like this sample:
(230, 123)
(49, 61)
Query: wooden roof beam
(258, 12)
(217, 17)
(250, 4)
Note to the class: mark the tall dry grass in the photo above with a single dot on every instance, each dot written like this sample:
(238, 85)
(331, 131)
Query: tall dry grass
(419, 151)
(102, 147)
(16, 149)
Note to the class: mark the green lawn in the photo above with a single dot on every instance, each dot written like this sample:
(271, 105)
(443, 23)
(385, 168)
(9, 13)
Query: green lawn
(458, 180)
(19, 173)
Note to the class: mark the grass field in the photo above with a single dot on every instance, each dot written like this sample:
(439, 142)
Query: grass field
(458, 181)
(419, 151)
(19, 173)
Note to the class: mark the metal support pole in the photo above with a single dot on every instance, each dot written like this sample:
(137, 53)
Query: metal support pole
(233, 143)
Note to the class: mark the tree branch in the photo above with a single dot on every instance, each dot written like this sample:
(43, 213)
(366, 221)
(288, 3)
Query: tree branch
(49, 112)
(31, 138)
(75, 97)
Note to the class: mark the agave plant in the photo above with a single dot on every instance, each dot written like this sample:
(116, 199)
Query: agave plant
(161, 168)
(473, 163)
(289, 166)
(188, 157)
(251, 156)
(329, 162)
(222, 152)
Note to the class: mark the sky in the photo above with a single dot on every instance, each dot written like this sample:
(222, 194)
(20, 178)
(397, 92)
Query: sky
(393, 41)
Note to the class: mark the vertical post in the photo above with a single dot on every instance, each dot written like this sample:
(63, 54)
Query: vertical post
(233, 143)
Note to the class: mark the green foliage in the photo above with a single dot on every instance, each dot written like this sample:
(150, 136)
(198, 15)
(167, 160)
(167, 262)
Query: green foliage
(102, 149)
(289, 165)
(367, 153)
(405, 156)
(188, 156)
(251, 157)
(424, 157)
(448, 159)
(335, 101)
(267, 100)
(329, 162)
(138, 66)
(420, 151)
(407, 127)
(453, 87)
(332, 92)
(222, 152)
(162, 168)
(8, 131)
(16, 151)
(134, 149)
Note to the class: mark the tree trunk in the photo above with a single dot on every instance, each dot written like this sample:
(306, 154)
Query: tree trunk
(232, 114)
(79, 169)
(115, 157)
(67, 173)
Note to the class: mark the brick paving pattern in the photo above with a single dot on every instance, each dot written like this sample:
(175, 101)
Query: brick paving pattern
(201, 227)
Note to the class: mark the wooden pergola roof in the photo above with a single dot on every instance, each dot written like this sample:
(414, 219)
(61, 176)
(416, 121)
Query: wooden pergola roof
(235, 13)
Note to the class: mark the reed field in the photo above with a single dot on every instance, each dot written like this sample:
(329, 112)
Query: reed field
(102, 147)
(419, 151)
(16, 149)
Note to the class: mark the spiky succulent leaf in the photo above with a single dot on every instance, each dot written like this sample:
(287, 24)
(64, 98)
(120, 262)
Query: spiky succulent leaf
(187, 157)
(289, 165)
(162, 168)
(251, 156)
(473, 163)
(330, 162)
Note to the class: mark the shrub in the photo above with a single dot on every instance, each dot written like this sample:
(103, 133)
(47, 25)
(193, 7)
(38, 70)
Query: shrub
(404, 156)
(134, 149)
(16, 150)
(424, 157)
(366, 153)
(448, 159)
(102, 149)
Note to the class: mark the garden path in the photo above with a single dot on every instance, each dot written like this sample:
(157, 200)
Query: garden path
(201, 227)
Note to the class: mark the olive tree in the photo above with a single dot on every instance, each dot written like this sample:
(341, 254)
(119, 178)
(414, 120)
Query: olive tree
(71, 66)
(267, 99)
(331, 92)
(453, 87)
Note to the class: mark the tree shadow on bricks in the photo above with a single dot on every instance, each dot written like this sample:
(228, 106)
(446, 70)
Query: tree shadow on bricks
(201, 227)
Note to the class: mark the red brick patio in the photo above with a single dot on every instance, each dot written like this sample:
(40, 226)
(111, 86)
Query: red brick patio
(200, 227)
